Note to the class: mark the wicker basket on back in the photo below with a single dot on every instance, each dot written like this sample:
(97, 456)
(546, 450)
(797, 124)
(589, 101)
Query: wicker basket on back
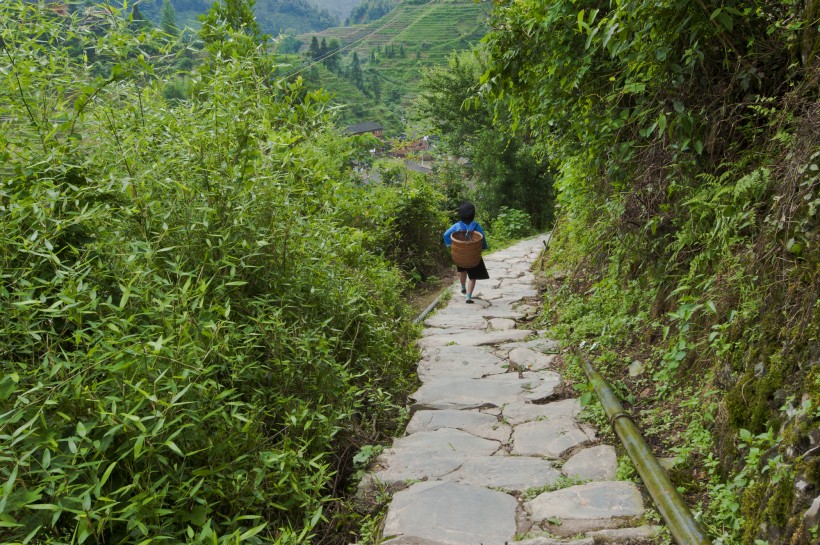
(466, 248)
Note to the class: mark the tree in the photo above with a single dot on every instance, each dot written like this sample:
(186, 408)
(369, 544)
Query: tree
(237, 15)
(683, 135)
(331, 60)
(375, 83)
(288, 43)
(138, 21)
(168, 18)
(506, 168)
(356, 71)
(255, 353)
(313, 50)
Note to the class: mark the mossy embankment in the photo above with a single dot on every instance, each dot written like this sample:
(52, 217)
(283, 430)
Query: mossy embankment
(686, 254)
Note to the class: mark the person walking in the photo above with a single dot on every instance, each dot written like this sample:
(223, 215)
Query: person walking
(466, 213)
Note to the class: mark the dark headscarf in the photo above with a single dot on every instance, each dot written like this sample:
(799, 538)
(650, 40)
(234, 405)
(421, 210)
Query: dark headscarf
(466, 212)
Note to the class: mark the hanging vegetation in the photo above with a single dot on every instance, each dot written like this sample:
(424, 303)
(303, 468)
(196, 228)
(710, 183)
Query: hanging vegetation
(687, 139)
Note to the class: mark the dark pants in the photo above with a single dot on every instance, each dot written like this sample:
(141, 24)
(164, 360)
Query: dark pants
(479, 272)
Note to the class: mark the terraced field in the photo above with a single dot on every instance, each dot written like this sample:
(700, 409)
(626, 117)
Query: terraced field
(436, 26)
(428, 33)
(351, 105)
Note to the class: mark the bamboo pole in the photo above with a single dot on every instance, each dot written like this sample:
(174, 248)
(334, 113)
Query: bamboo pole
(674, 511)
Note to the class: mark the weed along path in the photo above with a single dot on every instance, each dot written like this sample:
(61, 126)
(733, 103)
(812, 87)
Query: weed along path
(493, 454)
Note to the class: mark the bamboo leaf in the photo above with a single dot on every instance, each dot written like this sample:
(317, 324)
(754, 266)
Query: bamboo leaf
(252, 532)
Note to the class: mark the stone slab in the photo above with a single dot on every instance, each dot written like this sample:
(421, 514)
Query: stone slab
(459, 362)
(502, 324)
(530, 359)
(547, 346)
(457, 316)
(452, 514)
(503, 311)
(510, 273)
(642, 535)
(430, 455)
(411, 540)
(473, 422)
(519, 412)
(475, 338)
(597, 463)
(587, 507)
(511, 293)
(550, 541)
(492, 391)
(516, 473)
(544, 388)
(550, 438)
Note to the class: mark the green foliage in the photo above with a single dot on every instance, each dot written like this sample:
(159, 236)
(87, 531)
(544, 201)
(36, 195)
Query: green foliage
(168, 18)
(193, 334)
(370, 10)
(404, 218)
(230, 15)
(449, 178)
(507, 173)
(443, 25)
(274, 17)
(560, 483)
(511, 224)
(684, 177)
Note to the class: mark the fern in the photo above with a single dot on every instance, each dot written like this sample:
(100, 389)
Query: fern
(753, 184)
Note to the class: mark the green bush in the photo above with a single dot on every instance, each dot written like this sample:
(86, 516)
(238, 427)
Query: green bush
(511, 224)
(404, 220)
(193, 339)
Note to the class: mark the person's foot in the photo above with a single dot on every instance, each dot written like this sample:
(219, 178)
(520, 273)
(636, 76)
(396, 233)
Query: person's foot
(463, 289)
(469, 300)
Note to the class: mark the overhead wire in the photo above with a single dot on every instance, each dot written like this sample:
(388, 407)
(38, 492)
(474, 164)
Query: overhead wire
(410, 14)
(348, 45)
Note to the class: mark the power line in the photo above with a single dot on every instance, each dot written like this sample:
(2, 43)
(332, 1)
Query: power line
(350, 44)
(409, 14)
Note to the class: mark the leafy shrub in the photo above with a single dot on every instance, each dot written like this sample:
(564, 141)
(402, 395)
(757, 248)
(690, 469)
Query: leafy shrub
(511, 224)
(404, 219)
(192, 337)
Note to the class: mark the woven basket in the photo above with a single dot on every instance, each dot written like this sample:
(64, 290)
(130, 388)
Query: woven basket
(466, 248)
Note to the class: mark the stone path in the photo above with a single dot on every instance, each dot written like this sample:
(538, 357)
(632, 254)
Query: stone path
(490, 456)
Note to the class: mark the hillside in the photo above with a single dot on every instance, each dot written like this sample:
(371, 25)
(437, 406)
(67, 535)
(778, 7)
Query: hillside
(274, 16)
(338, 8)
(237, 331)
(396, 49)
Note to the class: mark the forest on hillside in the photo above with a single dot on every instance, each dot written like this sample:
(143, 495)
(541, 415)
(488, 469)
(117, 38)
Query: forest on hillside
(375, 68)
(205, 329)
(274, 16)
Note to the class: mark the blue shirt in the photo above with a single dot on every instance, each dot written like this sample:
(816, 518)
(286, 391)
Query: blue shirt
(461, 226)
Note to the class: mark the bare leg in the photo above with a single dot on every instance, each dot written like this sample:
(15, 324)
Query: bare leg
(470, 287)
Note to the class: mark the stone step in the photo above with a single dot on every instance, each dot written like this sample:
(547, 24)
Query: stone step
(586, 507)
(451, 513)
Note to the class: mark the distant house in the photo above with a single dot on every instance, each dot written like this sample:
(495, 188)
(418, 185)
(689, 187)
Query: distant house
(363, 128)
(410, 147)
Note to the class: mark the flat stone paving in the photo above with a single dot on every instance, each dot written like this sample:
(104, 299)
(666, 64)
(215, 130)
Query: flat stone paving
(488, 456)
